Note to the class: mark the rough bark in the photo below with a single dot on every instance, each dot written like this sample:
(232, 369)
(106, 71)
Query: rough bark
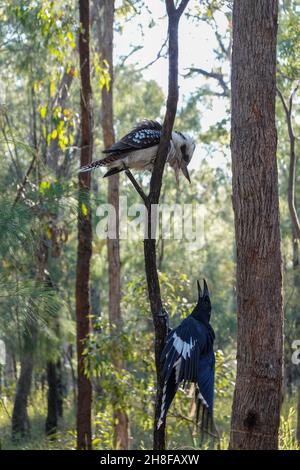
(105, 21)
(84, 249)
(257, 396)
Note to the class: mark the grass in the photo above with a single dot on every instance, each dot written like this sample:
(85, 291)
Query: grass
(66, 435)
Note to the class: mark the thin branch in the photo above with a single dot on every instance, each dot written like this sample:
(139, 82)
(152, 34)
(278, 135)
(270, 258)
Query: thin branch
(133, 51)
(292, 169)
(136, 185)
(215, 75)
(182, 7)
(159, 56)
(25, 180)
(282, 101)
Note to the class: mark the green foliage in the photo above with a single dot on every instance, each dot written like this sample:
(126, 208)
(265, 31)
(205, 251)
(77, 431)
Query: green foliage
(287, 440)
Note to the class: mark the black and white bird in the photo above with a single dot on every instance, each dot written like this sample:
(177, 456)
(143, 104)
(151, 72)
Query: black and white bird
(188, 356)
(138, 150)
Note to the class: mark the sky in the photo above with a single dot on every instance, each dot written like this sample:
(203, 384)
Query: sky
(196, 44)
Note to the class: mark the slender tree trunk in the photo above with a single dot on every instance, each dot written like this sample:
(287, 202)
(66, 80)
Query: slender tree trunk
(84, 250)
(296, 267)
(105, 21)
(20, 419)
(258, 391)
(52, 399)
(288, 107)
(151, 201)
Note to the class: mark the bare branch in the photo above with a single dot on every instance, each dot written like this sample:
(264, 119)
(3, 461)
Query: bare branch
(136, 185)
(292, 168)
(159, 56)
(133, 51)
(215, 75)
(25, 180)
(182, 7)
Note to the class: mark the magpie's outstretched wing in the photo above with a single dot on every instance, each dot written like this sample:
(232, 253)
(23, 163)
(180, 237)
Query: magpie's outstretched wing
(145, 134)
(205, 392)
(183, 349)
(181, 355)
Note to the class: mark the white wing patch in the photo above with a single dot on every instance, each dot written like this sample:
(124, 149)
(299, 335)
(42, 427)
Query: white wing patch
(182, 347)
(202, 399)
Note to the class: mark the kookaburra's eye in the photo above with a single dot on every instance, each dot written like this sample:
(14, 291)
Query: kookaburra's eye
(184, 154)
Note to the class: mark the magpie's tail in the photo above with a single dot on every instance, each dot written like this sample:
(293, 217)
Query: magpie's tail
(204, 418)
(169, 390)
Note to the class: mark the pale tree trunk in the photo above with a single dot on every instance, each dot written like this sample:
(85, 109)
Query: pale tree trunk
(258, 390)
(288, 108)
(84, 249)
(105, 21)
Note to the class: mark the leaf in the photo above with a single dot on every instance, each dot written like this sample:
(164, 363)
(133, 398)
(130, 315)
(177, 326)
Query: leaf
(44, 185)
(43, 111)
(84, 209)
(52, 88)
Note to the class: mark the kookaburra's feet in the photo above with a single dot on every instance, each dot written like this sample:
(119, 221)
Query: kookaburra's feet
(126, 169)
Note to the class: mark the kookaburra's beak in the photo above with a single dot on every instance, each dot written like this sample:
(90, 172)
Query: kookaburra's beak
(183, 166)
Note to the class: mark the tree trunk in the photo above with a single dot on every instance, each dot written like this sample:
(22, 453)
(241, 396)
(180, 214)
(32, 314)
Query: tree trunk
(20, 419)
(105, 21)
(84, 249)
(160, 324)
(54, 399)
(258, 391)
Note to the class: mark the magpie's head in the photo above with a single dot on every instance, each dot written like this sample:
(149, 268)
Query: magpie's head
(185, 146)
(202, 310)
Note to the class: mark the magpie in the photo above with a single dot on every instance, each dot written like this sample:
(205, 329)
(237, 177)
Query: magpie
(138, 150)
(188, 356)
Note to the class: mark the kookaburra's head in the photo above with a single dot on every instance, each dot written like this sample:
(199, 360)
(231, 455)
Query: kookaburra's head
(181, 152)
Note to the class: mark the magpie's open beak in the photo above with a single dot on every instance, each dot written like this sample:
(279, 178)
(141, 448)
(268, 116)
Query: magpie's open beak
(184, 170)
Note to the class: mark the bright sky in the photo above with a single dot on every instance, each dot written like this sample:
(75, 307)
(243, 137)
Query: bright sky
(196, 44)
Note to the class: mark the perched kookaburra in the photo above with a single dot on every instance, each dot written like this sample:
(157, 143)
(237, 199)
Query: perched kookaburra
(138, 150)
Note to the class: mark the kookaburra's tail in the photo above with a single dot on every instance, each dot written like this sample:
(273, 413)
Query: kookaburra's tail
(96, 164)
(90, 166)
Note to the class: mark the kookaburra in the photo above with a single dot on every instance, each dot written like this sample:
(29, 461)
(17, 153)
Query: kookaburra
(138, 150)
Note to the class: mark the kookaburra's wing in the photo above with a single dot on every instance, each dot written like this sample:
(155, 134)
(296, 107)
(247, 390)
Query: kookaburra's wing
(181, 355)
(146, 134)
